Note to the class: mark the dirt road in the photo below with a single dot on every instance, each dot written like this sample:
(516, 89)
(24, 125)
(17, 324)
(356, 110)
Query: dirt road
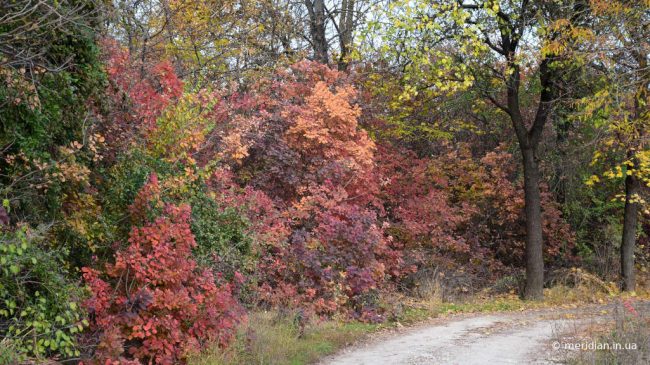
(499, 338)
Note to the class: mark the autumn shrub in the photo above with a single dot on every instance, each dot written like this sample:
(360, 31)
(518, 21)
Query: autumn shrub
(299, 144)
(417, 200)
(224, 232)
(154, 304)
(294, 131)
(164, 132)
(337, 259)
(44, 109)
(228, 241)
(166, 149)
(430, 226)
(267, 223)
(294, 201)
(461, 213)
(136, 95)
(40, 315)
(221, 232)
(494, 186)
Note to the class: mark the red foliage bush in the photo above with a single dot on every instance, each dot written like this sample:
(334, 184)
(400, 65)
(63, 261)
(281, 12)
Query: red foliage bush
(469, 209)
(416, 196)
(296, 130)
(492, 184)
(299, 147)
(335, 217)
(154, 304)
(338, 258)
(137, 95)
(267, 222)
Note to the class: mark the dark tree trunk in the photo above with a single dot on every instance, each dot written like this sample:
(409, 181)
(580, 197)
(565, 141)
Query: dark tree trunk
(562, 171)
(632, 189)
(534, 239)
(528, 134)
(632, 184)
(528, 140)
(316, 11)
(345, 29)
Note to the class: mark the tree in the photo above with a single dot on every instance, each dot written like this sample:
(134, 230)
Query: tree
(511, 26)
(346, 29)
(31, 32)
(207, 41)
(619, 54)
(331, 27)
(316, 12)
(493, 47)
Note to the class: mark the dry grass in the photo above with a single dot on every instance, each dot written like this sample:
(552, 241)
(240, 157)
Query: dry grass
(273, 339)
(629, 328)
(7, 353)
(576, 285)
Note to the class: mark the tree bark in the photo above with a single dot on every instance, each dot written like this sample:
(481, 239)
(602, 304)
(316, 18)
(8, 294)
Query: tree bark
(511, 30)
(316, 12)
(534, 239)
(345, 29)
(632, 184)
(630, 217)
(528, 140)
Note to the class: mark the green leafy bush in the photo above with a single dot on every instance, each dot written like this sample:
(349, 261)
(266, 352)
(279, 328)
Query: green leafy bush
(221, 231)
(39, 311)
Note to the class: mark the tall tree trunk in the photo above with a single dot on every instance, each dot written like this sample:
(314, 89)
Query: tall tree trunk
(345, 29)
(534, 239)
(562, 171)
(528, 140)
(316, 12)
(630, 216)
(632, 184)
(528, 135)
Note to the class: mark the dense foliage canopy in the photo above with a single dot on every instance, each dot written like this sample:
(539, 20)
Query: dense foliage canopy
(168, 166)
